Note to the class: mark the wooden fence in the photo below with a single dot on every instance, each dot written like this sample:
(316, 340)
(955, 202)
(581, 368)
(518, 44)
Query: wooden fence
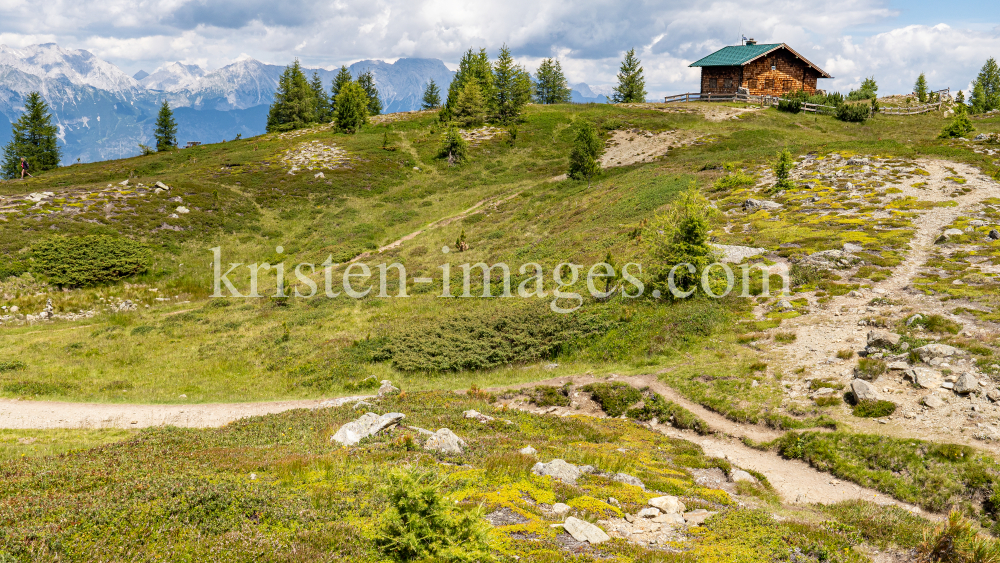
(943, 95)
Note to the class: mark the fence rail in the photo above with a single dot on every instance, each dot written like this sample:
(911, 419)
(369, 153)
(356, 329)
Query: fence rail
(806, 106)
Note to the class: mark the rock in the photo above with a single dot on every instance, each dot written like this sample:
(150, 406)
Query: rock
(914, 318)
(697, 517)
(977, 223)
(675, 519)
(863, 391)
(558, 469)
(966, 384)
(738, 475)
(994, 235)
(182, 210)
(614, 502)
(981, 137)
(933, 401)
(754, 204)
(667, 504)
(898, 366)
(737, 254)
(784, 305)
(445, 441)
(368, 425)
(935, 351)
(628, 480)
(853, 248)
(528, 450)
(904, 346)
(123, 183)
(477, 415)
(883, 339)
(858, 161)
(162, 186)
(362, 405)
(387, 388)
(952, 233)
(560, 509)
(993, 395)
(648, 512)
(584, 531)
(319, 175)
(924, 378)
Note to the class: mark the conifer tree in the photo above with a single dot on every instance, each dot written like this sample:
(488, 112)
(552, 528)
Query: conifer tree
(586, 148)
(470, 109)
(432, 96)
(986, 88)
(322, 101)
(294, 103)
(342, 78)
(920, 88)
(631, 87)
(33, 136)
(166, 129)
(351, 107)
(551, 86)
(474, 67)
(512, 87)
(367, 83)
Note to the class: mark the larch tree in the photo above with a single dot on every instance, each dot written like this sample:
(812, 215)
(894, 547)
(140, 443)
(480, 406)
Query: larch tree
(351, 108)
(432, 96)
(986, 88)
(294, 103)
(342, 78)
(631, 87)
(512, 88)
(583, 162)
(920, 88)
(322, 100)
(551, 86)
(33, 137)
(367, 82)
(474, 67)
(166, 128)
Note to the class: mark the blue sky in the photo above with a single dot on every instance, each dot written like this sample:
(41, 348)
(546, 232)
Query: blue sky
(890, 39)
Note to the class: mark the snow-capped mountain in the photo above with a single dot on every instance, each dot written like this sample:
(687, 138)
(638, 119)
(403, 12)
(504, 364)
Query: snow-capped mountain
(103, 113)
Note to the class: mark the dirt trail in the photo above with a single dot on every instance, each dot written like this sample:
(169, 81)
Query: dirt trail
(795, 481)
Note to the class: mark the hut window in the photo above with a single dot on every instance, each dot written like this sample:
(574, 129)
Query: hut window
(789, 85)
(768, 84)
(774, 65)
(713, 83)
(729, 83)
(753, 84)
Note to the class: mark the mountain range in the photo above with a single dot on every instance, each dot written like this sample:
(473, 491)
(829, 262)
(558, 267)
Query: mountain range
(102, 113)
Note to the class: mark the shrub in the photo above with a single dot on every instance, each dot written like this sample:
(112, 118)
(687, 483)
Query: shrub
(549, 396)
(937, 323)
(956, 541)
(421, 525)
(870, 368)
(827, 401)
(583, 158)
(782, 169)
(655, 406)
(790, 106)
(845, 354)
(785, 337)
(12, 365)
(614, 397)
(90, 260)
(867, 91)
(960, 126)
(874, 409)
(737, 179)
(854, 113)
(351, 107)
(677, 237)
(453, 146)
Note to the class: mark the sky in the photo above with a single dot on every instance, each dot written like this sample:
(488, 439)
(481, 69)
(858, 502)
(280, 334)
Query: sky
(893, 40)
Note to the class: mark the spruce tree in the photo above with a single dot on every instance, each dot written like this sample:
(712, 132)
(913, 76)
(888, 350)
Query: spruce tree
(920, 88)
(977, 100)
(512, 87)
(342, 78)
(470, 109)
(294, 103)
(586, 148)
(367, 83)
(351, 107)
(551, 87)
(474, 67)
(986, 88)
(631, 87)
(322, 101)
(432, 96)
(166, 129)
(33, 136)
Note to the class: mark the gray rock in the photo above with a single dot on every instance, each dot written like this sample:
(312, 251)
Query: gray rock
(935, 351)
(755, 204)
(933, 402)
(162, 186)
(948, 385)
(584, 531)
(674, 519)
(697, 517)
(182, 210)
(966, 384)
(925, 378)
(853, 248)
(784, 305)
(898, 366)
(477, 416)
(736, 254)
(858, 161)
(738, 475)
(445, 441)
(558, 469)
(863, 391)
(362, 405)
(528, 450)
(993, 395)
(977, 223)
(904, 346)
(994, 235)
(914, 319)
(560, 509)
(648, 512)
(387, 388)
(667, 504)
(953, 233)
(629, 480)
(368, 425)
(883, 339)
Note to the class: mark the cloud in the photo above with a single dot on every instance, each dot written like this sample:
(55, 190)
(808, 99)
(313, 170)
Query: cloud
(589, 36)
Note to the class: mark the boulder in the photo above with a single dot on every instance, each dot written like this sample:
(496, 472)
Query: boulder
(953, 233)
(898, 366)
(853, 248)
(182, 210)
(477, 416)
(755, 204)
(162, 186)
(737, 475)
(993, 395)
(558, 469)
(924, 378)
(387, 388)
(994, 235)
(445, 441)
(784, 305)
(935, 351)
(966, 384)
(648, 512)
(528, 450)
(368, 425)
(584, 531)
(560, 509)
(667, 504)
(863, 391)
(675, 519)
(883, 339)
(932, 401)
(697, 517)
(629, 480)
(914, 319)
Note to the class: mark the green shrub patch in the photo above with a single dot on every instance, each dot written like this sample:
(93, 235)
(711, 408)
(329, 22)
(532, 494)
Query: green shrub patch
(90, 260)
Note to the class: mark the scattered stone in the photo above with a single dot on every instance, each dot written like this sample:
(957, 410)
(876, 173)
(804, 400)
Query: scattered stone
(387, 388)
(898, 366)
(994, 235)
(560, 509)
(584, 531)
(993, 395)
(614, 502)
(558, 469)
(924, 378)
(675, 519)
(319, 175)
(528, 450)
(966, 384)
(754, 204)
(368, 425)
(648, 512)
(853, 248)
(182, 210)
(628, 480)
(863, 391)
(698, 517)
(445, 441)
(477, 415)
(504, 517)
(667, 504)
(953, 233)
(737, 254)
(914, 318)
(162, 186)
(738, 475)
(933, 401)
(883, 339)
(784, 305)
(935, 351)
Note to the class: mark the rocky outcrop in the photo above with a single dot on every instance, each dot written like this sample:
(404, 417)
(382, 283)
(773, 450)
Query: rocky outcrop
(584, 531)
(445, 441)
(369, 424)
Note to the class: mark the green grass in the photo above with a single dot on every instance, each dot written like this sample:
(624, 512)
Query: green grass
(16, 444)
(873, 409)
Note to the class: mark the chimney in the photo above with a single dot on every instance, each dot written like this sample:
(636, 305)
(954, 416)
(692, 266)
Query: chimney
(751, 41)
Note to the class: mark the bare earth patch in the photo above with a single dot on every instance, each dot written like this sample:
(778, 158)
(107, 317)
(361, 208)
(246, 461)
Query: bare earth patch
(631, 146)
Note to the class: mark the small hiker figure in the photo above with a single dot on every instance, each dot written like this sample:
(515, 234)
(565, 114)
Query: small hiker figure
(24, 167)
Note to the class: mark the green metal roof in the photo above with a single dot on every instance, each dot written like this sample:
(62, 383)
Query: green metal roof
(736, 55)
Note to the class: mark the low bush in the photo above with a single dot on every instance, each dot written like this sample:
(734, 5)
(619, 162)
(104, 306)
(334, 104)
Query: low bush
(655, 406)
(938, 324)
(790, 105)
(613, 397)
(870, 368)
(854, 113)
(960, 126)
(453, 146)
(827, 401)
(958, 541)
(845, 354)
(90, 260)
(12, 365)
(550, 396)
(785, 337)
(874, 409)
